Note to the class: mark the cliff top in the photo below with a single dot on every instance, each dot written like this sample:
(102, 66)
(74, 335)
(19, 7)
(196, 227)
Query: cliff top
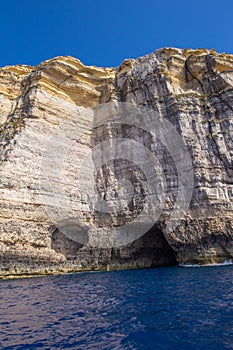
(76, 63)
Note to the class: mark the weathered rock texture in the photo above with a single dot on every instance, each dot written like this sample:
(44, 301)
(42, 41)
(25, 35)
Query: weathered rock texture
(193, 89)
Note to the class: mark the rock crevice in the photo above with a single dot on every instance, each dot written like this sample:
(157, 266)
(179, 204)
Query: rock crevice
(192, 89)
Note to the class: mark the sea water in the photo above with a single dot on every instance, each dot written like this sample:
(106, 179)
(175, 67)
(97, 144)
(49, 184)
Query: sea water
(163, 308)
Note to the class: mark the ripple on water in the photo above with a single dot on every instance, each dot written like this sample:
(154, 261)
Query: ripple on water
(166, 308)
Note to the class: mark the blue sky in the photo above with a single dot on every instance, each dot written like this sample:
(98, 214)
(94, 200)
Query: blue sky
(104, 33)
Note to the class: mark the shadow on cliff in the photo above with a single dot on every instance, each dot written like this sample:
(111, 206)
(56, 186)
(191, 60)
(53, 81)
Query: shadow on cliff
(64, 245)
(150, 250)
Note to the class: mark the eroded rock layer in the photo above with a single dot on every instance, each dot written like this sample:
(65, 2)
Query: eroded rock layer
(192, 89)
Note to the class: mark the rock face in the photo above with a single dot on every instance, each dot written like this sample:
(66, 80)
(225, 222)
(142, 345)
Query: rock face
(192, 89)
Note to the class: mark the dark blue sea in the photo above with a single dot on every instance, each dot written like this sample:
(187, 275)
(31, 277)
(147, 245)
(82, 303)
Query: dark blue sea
(163, 308)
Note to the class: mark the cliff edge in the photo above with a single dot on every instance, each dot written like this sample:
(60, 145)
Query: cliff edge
(191, 89)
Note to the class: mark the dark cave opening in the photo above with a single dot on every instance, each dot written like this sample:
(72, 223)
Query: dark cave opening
(150, 250)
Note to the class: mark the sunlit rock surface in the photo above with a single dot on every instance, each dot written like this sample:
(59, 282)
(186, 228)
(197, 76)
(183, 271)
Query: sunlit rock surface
(192, 89)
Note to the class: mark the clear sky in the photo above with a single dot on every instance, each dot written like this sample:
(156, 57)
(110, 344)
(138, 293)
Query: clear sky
(104, 33)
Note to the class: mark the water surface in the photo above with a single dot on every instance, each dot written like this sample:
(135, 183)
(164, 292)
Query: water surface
(164, 308)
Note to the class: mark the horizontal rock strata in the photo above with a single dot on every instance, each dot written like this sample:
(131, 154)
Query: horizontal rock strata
(191, 89)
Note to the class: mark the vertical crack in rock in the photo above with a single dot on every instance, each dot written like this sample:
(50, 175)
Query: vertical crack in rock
(190, 89)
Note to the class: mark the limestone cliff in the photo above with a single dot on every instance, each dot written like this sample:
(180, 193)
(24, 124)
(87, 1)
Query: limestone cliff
(192, 89)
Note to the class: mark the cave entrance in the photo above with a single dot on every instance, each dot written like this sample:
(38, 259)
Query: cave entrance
(150, 250)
